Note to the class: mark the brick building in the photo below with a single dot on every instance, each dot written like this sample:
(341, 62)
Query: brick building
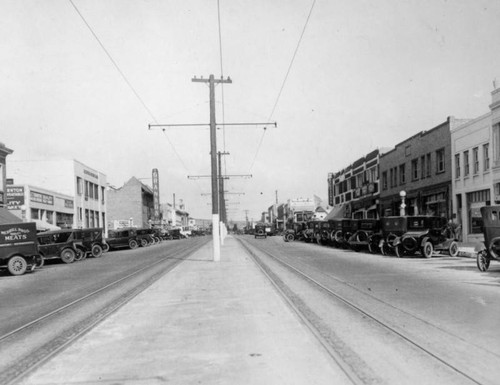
(131, 204)
(354, 191)
(420, 168)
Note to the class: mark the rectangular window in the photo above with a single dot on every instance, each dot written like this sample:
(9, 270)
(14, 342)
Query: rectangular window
(428, 164)
(102, 195)
(486, 157)
(496, 144)
(86, 189)
(457, 165)
(384, 180)
(475, 157)
(422, 167)
(402, 173)
(392, 177)
(79, 185)
(440, 161)
(466, 163)
(414, 169)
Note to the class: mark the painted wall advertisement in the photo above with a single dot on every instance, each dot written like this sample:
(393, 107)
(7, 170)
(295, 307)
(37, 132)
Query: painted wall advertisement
(15, 197)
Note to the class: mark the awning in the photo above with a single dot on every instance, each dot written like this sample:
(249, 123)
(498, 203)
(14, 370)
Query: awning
(337, 212)
(45, 226)
(6, 217)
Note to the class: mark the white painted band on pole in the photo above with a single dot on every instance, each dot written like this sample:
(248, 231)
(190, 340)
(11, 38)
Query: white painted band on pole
(216, 237)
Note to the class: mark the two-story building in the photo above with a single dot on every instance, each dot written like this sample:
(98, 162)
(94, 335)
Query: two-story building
(86, 186)
(418, 173)
(354, 191)
(131, 204)
(476, 169)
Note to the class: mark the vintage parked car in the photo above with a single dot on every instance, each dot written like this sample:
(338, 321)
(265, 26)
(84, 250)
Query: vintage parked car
(19, 248)
(426, 234)
(59, 244)
(341, 231)
(92, 242)
(322, 233)
(490, 249)
(295, 233)
(260, 230)
(392, 228)
(364, 236)
(124, 237)
(145, 236)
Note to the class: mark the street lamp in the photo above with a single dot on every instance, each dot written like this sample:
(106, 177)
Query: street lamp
(402, 194)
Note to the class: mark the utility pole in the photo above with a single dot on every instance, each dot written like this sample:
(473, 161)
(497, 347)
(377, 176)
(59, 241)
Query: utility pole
(213, 154)
(221, 189)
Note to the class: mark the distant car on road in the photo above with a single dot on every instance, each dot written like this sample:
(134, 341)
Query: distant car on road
(260, 230)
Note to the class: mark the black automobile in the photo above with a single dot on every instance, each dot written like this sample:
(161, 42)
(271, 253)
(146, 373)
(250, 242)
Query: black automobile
(392, 228)
(260, 230)
(145, 236)
(363, 237)
(19, 248)
(92, 242)
(295, 232)
(426, 234)
(490, 249)
(341, 231)
(121, 238)
(59, 244)
(322, 233)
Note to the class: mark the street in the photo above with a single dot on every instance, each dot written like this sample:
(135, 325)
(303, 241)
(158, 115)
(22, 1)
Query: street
(43, 311)
(442, 314)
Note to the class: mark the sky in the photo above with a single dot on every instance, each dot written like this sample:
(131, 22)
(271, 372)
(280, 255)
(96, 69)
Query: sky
(83, 79)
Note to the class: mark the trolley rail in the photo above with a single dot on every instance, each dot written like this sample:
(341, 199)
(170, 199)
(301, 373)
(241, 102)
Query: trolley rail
(352, 373)
(144, 278)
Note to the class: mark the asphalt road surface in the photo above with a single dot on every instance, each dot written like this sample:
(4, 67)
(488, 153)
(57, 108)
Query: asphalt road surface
(391, 320)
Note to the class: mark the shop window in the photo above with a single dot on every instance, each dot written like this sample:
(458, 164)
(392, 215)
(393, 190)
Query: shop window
(35, 214)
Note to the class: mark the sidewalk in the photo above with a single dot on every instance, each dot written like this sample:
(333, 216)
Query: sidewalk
(204, 323)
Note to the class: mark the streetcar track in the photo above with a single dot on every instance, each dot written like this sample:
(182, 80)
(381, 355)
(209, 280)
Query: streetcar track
(42, 354)
(413, 315)
(350, 304)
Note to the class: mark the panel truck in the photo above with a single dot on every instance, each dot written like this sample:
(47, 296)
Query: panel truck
(18, 248)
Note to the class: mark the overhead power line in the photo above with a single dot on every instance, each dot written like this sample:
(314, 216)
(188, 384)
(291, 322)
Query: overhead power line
(129, 84)
(284, 81)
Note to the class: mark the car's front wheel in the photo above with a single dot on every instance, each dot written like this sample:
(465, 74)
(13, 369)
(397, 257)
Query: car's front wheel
(483, 262)
(17, 265)
(97, 251)
(68, 255)
(427, 249)
(453, 249)
(133, 244)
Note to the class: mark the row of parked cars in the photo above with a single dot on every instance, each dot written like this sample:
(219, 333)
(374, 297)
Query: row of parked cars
(401, 235)
(22, 249)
